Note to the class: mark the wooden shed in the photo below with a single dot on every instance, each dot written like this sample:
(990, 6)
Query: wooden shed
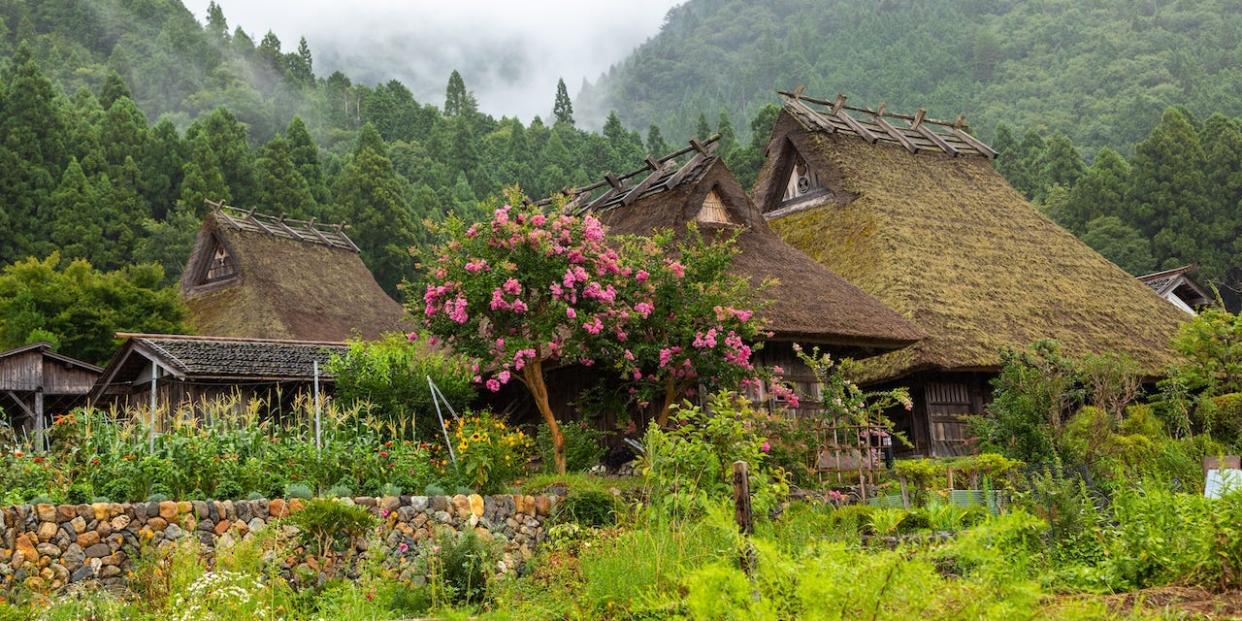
(37, 383)
(1178, 286)
(911, 210)
(188, 371)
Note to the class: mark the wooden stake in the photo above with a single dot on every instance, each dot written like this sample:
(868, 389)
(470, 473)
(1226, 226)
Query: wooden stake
(40, 426)
(741, 497)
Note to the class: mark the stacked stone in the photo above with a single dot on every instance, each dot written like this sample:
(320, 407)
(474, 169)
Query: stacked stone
(46, 547)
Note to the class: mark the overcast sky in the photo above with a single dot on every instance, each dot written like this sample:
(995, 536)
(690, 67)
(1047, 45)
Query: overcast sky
(509, 52)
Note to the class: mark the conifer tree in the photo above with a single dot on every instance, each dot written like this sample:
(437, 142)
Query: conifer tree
(203, 178)
(1100, 192)
(457, 100)
(301, 65)
(228, 141)
(728, 137)
(77, 218)
(563, 107)
(1120, 243)
(281, 188)
(217, 26)
(305, 155)
(32, 153)
(656, 145)
(113, 89)
(370, 195)
(269, 52)
(702, 130)
(1169, 187)
(123, 133)
(1062, 165)
(161, 167)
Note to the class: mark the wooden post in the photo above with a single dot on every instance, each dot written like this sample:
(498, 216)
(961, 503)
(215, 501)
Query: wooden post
(905, 494)
(950, 479)
(155, 373)
(40, 426)
(741, 497)
(318, 410)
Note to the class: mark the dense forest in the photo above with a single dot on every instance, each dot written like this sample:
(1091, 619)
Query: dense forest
(1101, 71)
(122, 116)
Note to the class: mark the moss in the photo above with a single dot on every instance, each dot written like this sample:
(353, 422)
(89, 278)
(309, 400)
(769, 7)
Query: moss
(948, 243)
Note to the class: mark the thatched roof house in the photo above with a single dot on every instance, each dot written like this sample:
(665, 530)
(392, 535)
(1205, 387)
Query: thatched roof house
(809, 304)
(1179, 287)
(257, 276)
(912, 211)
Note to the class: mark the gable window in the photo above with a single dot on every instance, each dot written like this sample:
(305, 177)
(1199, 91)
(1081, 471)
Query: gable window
(220, 265)
(803, 182)
(713, 210)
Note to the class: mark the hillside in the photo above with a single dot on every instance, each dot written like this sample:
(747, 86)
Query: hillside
(1101, 72)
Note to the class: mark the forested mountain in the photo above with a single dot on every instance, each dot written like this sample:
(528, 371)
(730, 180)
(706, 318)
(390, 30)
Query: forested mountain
(1099, 71)
(119, 117)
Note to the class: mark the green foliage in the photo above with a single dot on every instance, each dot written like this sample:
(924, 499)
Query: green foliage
(82, 307)
(330, 526)
(1032, 393)
(459, 567)
(691, 462)
(583, 447)
(390, 376)
(490, 454)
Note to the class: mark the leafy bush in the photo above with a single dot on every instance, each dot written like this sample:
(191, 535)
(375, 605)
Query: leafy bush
(693, 459)
(584, 447)
(329, 525)
(459, 567)
(591, 507)
(389, 376)
(1032, 394)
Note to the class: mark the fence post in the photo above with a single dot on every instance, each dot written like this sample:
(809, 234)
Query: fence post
(905, 495)
(318, 410)
(741, 497)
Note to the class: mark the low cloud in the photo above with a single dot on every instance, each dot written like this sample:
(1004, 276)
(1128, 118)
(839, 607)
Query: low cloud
(510, 53)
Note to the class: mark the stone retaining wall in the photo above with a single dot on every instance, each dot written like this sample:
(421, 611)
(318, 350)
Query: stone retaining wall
(46, 547)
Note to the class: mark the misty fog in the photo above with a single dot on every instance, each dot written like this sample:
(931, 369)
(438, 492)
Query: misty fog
(510, 53)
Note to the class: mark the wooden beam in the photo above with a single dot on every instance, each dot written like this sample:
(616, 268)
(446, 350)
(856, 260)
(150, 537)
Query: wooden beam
(937, 140)
(681, 173)
(21, 404)
(897, 135)
(974, 142)
(642, 186)
(904, 117)
(858, 128)
(289, 229)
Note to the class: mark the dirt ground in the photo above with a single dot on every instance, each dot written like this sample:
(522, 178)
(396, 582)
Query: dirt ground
(1193, 602)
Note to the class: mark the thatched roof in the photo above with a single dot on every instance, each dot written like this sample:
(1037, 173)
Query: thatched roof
(809, 303)
(257, 276)
(943, 239)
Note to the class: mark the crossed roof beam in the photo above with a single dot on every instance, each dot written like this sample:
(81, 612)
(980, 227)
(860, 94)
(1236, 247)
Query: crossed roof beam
(833, 115)
(656, 175)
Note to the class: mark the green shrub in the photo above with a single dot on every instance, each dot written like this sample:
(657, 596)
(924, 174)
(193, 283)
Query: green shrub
(584, 447)
(460, 566)
(588, 507)
(390, 377)
(339, 491)
(298, 490)
(490, 454)
(329, 526)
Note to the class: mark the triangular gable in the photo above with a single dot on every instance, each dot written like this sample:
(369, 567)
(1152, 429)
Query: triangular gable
(713, 210)
(804, 184)
(213, 262)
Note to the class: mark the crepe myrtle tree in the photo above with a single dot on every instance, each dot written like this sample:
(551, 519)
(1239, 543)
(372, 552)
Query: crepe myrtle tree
(527, 289)
(693, 325)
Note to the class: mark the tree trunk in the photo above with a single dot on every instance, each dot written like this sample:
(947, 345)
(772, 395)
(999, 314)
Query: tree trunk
(532, 374)
(670, 395)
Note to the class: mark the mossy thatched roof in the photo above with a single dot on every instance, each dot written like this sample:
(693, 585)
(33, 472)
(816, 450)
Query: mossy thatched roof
(948, 243)
(284, 286)
(808, 302)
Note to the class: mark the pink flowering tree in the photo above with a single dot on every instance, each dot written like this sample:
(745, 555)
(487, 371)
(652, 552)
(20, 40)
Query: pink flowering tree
(693, 326)
(528, 289)
(525, 290)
